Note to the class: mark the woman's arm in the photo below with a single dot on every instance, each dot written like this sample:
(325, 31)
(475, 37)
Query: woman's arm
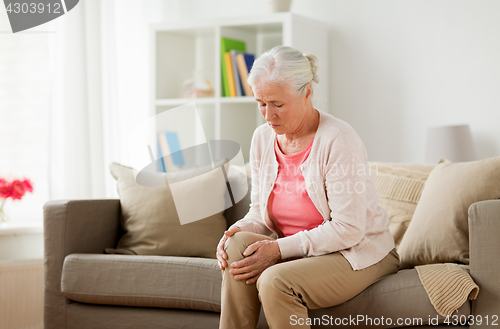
(253, 221)
(261, 254)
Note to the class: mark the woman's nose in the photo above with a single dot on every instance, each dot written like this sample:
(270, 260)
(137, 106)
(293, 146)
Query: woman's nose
(268, 113)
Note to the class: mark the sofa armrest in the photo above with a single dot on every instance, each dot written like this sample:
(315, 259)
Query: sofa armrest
(484, 248)
(73, 226)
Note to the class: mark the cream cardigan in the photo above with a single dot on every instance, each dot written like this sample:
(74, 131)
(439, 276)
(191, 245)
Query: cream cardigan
(339, 184)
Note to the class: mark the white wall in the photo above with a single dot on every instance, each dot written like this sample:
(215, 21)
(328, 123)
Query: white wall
(399, 67)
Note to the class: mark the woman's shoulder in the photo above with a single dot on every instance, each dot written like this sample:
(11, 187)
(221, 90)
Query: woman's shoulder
(260, 139)
(331, 123)
(262, 133)
(335, 130)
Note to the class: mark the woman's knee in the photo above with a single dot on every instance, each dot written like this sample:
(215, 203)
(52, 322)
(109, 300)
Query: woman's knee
(238, 242)
(271, 282)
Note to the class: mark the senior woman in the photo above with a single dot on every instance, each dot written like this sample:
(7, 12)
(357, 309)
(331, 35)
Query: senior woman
(311, 187)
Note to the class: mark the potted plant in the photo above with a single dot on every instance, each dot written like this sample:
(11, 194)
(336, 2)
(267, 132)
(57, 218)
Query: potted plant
(14, 190)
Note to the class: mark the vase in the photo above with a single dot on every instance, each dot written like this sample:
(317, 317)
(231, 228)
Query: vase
(3, 216)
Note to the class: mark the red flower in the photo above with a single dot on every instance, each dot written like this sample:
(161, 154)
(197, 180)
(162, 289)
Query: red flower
(5, 189)
(28, 186)
(18, 190)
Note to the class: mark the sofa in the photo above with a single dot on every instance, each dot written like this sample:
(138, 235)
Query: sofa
(86, 288)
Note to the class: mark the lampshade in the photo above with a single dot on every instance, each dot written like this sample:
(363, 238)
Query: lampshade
(451, 142)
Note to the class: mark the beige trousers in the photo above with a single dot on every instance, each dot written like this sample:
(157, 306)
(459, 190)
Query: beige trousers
(292, 287)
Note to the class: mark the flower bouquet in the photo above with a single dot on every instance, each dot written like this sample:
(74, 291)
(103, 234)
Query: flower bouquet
(14, 190)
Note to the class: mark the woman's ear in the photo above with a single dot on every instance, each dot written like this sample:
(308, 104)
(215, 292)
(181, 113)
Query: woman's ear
(308, 92)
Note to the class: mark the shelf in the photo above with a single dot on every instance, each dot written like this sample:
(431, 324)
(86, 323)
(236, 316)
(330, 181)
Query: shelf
(21, 228)
(251, 22)
(190, 50)
(205, 100)
(182, 101)
(238, 100)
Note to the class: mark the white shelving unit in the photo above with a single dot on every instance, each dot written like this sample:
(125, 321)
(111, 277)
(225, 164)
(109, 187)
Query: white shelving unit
(185, 49)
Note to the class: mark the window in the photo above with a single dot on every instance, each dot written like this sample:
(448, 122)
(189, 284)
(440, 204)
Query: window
(24, 114)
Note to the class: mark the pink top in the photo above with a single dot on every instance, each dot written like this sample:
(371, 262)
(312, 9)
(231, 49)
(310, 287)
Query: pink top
(354, 224)
(289, 204)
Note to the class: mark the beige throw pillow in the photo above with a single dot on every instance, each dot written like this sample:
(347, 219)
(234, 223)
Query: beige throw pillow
(438, 232)
(152, 226)
(240, 176)
(399, 186)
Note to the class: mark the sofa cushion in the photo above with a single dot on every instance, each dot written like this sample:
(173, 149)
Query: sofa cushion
(399, 186)
(397, 296)
(195, 283)
(438, 232)
(151, 221)
(150, 281)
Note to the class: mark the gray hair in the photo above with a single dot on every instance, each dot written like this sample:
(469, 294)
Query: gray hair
(285, 65)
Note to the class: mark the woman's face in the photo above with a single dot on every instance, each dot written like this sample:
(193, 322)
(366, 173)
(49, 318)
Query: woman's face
(283, 109)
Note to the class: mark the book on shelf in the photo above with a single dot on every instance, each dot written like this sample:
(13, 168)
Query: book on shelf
(230, 75)
(169, 151)
(249, 59)
(245, 62)
(227, 45)
(236, 74)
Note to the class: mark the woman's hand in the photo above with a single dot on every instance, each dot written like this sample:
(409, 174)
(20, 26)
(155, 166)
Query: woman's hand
(258, 256)
(221, 254)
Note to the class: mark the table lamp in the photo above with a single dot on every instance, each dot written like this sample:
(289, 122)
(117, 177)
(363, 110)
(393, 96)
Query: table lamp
(451, 142)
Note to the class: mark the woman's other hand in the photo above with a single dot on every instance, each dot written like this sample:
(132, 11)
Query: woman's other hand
(258, 256)
(221, 254)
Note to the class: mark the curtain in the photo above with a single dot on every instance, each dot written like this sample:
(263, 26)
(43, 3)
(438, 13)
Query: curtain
(24, 115)
(101, 90)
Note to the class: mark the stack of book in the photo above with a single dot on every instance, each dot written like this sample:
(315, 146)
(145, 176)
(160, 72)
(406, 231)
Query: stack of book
(169, 151)
(236, 63)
